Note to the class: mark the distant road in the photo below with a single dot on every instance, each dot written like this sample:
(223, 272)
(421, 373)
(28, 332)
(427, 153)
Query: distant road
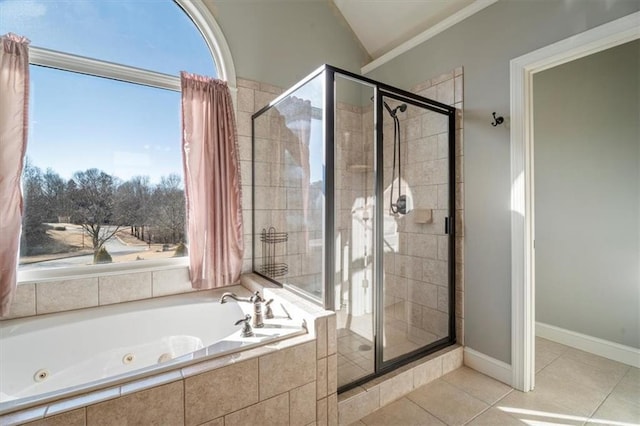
(114, 247)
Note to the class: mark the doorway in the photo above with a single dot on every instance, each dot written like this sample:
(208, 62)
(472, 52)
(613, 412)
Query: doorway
(523, 226)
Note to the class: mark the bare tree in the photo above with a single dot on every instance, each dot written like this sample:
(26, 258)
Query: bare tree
(92, 196)
(54, 190)
(35, 210)
(169, 209)
(132, 205)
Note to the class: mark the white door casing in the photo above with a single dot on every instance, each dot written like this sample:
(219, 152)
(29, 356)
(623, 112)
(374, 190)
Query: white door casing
(522, 70)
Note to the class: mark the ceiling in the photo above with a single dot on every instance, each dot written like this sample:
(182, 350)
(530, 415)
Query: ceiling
(382, 25)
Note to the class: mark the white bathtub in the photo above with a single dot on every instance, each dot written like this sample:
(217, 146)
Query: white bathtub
(50, 356)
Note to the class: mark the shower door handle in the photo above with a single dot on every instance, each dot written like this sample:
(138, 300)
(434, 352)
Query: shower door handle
(447, 224)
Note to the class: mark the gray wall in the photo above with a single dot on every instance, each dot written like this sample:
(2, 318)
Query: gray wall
(281, 41)
(587, 185)
(484, 44)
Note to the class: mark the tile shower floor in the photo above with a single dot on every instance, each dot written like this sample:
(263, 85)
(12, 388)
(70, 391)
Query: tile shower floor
(356, 353)
(355, 356)
(572, 388)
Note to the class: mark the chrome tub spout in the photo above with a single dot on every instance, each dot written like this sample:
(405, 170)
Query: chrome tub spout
(235, 297)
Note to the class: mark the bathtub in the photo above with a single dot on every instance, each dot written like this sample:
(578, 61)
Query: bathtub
(52, 356)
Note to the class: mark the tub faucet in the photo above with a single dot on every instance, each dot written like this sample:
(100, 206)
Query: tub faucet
(246, 327)
(233, 296)
(256, 299)
(269, 312)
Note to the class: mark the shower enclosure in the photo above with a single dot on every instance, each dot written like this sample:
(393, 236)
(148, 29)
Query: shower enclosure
(353, 204)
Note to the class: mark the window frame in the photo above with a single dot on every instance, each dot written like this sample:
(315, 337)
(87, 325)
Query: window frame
(219, 49)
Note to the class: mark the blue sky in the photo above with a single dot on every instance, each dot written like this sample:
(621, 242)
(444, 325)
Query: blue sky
(78, 122)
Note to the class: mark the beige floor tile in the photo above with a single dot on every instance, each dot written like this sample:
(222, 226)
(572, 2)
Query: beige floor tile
(634, 373)
(548, 402)
(572, 395)
(603, 376)
(493, 417)
(544, 358)
(629, 387)
(477, 384)
(550, 347)
(447, 402)
(617, 410)
(358, 423)
(594, 360)
(401, 412)
(571, 386)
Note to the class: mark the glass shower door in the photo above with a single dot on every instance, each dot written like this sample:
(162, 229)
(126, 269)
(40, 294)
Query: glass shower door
(416, 209)
(354, 212)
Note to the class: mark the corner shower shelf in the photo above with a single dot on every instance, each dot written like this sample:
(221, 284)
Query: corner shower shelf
(269, 239)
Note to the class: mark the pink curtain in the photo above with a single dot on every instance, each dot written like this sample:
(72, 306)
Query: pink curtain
(14, 99)
(212, 182)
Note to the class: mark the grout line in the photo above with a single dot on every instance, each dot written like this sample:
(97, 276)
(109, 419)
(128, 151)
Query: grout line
(421, 407)
(600, 404)
(551, 362)
(609, 393)
(184, 401)
(479, 414)
(433, 381)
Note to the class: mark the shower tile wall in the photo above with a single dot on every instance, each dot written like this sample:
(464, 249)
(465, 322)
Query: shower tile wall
(251, 97)
(416, 293)
(281, 186)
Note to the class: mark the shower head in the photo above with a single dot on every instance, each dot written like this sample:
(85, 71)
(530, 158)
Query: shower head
(393, 112)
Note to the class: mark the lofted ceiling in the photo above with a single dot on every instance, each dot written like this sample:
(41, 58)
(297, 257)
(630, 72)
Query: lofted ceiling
(383, 25)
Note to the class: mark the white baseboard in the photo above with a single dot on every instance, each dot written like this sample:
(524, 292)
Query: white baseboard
(487, 365)
(615, 351)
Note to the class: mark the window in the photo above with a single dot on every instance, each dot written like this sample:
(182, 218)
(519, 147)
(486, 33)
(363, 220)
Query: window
(103, 173)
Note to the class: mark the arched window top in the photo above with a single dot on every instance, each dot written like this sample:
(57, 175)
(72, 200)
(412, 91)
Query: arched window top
(153, 35)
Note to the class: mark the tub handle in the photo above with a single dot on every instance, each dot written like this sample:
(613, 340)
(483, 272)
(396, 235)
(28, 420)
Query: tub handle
(246, 328)
(269, 313)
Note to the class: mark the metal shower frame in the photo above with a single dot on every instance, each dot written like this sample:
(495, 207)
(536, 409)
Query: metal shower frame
(381, 91)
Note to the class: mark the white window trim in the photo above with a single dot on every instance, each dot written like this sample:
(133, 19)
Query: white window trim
(202, 19)
(100, 270)
(217, 44)
(213, 36)
(97, 68)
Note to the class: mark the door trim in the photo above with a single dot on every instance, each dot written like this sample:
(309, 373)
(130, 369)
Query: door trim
(522, 70)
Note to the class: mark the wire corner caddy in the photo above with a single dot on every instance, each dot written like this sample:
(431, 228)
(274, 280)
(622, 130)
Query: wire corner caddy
(270, 238)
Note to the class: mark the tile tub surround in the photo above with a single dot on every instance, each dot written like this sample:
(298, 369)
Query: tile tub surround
(39, 298)
(285, 382)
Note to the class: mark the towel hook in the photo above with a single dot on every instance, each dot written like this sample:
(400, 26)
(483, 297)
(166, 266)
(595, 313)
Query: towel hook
(497, 120)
